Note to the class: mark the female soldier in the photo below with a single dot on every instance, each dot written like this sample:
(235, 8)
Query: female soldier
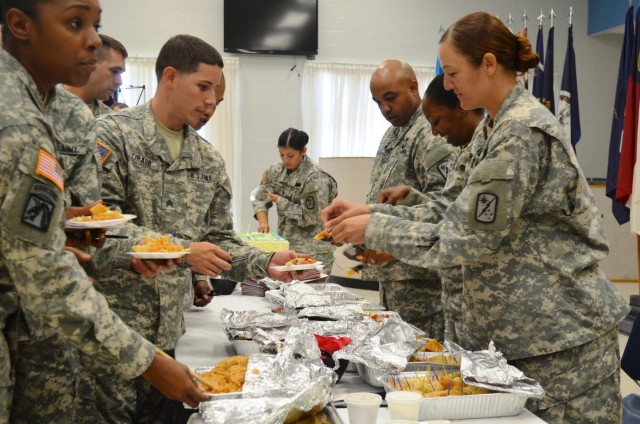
(526, 230)
(301, 190)
(44, 293)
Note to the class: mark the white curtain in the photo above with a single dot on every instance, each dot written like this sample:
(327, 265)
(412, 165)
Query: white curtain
(337, 110)
(222, 131)
(139, 82)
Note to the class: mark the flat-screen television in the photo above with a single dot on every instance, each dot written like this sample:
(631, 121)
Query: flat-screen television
(280, 27)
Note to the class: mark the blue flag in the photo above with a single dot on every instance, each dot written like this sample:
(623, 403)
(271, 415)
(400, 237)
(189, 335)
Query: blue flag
(548, 98)
(620, 212)
(568, 110)
(539, 71)
(438, 66)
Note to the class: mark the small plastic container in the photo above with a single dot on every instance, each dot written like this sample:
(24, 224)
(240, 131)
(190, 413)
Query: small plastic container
(363, 407)
(404, 405)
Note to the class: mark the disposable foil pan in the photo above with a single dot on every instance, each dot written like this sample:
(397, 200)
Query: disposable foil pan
(371, 375)
(487, 405)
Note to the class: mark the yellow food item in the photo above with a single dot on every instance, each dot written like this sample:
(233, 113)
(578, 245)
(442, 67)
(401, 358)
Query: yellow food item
(161, 244)
(322, 235)
(434, 386)
(431, 345)
(300, 261)
(446, 359)
(227, 376)
(99, 213)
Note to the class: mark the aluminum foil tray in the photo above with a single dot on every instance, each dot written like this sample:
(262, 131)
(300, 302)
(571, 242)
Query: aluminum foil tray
(487, 405)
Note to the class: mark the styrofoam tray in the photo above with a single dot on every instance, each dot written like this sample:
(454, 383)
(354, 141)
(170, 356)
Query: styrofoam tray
(487, 405)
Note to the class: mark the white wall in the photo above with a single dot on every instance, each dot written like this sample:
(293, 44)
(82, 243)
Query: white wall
(366, 31)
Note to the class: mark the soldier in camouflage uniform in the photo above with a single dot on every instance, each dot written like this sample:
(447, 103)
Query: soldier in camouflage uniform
(456, 125)
(527, 231)
(54, 359)
(32, 217)
(301, 190)
(158, 168)
(106, 79)
(408, 154)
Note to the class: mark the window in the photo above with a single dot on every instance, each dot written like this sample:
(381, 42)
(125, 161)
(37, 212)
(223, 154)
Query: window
(337, 110)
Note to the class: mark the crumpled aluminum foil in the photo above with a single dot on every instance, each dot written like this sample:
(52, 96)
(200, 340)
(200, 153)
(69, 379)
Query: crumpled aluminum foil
(267, 397)
(385, 349)
(489, 369)
(246, 319)
(300, 295)
(334, 312)
(275, 296)
(270, 340)
(271, 283)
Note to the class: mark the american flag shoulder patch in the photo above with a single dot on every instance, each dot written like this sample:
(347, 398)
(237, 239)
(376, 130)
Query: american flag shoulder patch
(49, 168)
(104, 152)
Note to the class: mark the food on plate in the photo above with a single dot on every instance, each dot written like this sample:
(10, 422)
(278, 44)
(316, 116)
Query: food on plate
(300, 261)
(99, 213)
(378, 317)
(160, 244)
(431, 345)
(432, 385)
(227, 376)
(323, 235)
(315, 416)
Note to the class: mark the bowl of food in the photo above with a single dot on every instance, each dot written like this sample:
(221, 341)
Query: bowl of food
(223, 286)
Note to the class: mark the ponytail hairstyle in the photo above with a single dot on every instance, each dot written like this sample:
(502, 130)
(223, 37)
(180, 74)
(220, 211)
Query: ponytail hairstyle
(294, 139)
(479, 33)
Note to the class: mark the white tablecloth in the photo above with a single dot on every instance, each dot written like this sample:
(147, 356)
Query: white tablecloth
(204, 345)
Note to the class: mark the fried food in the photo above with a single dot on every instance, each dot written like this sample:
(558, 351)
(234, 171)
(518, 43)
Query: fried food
(436, 386)
(300, 261)
(161, 244)
(323, 235)
(99, 213)
(227, 376)
(431, 345)
(378, 317)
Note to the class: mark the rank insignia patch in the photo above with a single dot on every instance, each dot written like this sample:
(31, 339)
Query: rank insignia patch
(103, 151)
(38, 210)
(486, 207)
(48, 167)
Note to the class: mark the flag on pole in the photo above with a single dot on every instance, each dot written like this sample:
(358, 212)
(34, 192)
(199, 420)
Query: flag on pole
(620, 212)
(538, 74)
(438, 66)
(548, 98)
(568, 110)
(630, 130)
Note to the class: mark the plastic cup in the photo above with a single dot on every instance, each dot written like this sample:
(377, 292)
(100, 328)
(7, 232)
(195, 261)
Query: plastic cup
(363, 407)
(404, 405)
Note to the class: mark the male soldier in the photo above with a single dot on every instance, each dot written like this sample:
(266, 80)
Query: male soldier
(43, 291)
(408, 155)
(156, 167)
(107, 77)
(448, 120)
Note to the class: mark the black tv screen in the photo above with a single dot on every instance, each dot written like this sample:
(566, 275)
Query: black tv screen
(284, 27)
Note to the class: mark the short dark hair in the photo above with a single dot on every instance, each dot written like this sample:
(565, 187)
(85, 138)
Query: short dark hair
(293, 138)
(28, 7)
(185, 53)
(110, 43)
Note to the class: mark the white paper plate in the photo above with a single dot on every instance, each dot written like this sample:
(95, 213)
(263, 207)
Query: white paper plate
(284, 268)
(158, 255)
(108, 223)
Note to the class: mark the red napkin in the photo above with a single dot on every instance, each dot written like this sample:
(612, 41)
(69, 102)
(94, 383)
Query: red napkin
(331, 344)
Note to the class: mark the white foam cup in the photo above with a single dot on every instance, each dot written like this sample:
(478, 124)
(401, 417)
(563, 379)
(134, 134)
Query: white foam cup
(363, 407)
(404, 405)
